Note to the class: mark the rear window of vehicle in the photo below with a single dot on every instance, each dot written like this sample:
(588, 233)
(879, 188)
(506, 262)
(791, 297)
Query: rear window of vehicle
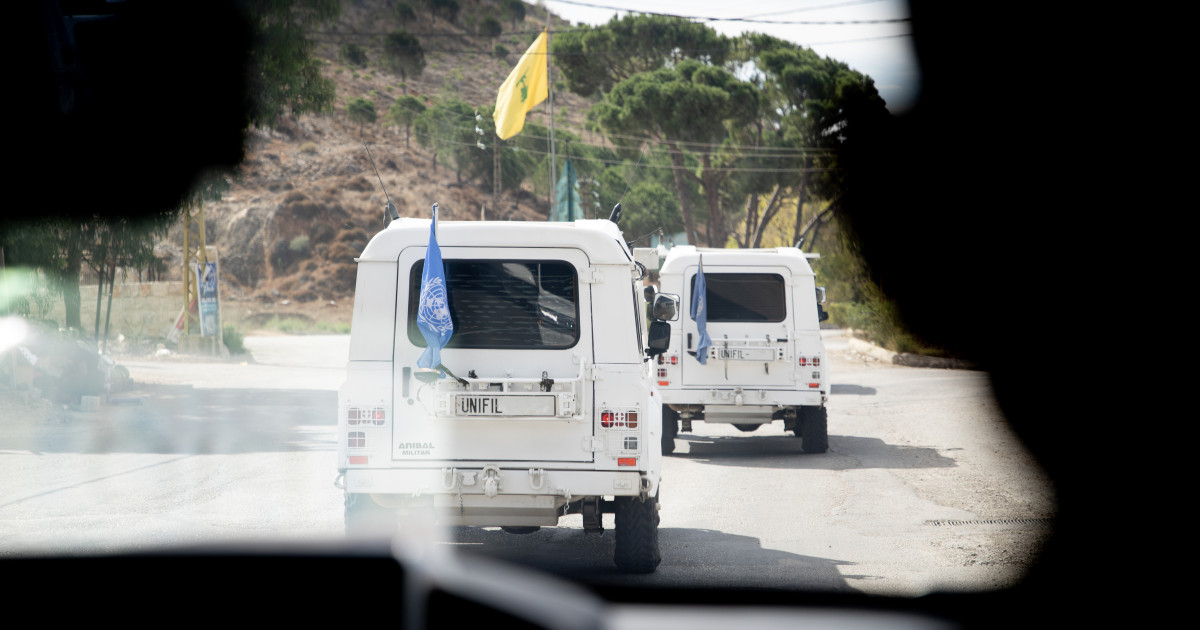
(497, 304)
(744, 297)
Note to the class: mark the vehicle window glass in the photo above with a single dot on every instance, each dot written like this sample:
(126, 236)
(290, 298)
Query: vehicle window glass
(505, 304)
(744, 297)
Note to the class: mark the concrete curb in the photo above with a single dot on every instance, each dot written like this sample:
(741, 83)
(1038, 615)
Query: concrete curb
(907, 359)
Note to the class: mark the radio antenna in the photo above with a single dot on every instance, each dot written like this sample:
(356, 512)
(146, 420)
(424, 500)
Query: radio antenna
(389, 212)
(629, 181)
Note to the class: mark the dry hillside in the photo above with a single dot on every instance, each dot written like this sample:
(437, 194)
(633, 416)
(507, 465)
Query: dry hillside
(307, 200)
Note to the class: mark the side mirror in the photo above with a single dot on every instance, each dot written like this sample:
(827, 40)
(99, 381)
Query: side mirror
(659, 339)
(820, 295)
(665, 308)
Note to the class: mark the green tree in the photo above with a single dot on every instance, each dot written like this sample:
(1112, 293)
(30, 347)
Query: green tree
(514, 10)
(404, 13)
(282, 73)
(446, 9)
(353, 54)
(820, 104)
(597, 58)
(403, 112)
(402, 53)
(490, 27)
(647, 208)
(689, 108)
(362, 111)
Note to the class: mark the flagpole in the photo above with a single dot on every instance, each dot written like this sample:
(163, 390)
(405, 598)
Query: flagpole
(550, 97)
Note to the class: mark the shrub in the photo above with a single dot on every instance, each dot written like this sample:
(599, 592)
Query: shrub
(299, 244)
(233, 339)
(309, 147)
(353, 54)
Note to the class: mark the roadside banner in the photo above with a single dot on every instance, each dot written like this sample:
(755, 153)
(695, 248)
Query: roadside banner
(206, 288)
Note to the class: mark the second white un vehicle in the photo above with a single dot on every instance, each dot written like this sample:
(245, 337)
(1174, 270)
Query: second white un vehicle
(764, 359)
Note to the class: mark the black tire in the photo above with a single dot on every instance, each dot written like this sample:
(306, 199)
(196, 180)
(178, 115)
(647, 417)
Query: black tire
(670, 419)
(813, 429)
(747, 427)
(513, 529)
(365, 517)
(637, 535)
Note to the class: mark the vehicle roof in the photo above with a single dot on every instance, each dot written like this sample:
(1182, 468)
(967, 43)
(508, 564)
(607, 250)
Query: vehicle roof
(681, 257)
(600, 239)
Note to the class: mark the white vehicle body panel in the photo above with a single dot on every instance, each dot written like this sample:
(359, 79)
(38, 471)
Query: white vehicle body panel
(523, 436)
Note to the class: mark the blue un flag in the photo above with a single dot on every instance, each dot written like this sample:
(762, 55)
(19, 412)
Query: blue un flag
(433, 311)
(700, 314)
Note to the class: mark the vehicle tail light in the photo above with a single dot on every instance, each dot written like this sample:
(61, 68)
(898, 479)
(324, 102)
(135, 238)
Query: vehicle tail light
(674, 359)
(627, 419)
(627, 461)
(356, 439)
(356, 416)
(664, 383)
(814, 385)
(358, 459)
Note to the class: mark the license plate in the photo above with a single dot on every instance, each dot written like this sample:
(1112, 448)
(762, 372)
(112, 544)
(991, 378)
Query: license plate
(485, 405)
(743, 354)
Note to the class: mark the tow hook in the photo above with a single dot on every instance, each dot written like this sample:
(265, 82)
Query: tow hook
(449, 478)
(491, 480)
(537, 478)
(339, 482)
(644, 491)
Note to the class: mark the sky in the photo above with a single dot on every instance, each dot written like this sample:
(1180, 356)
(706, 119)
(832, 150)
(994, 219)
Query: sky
(832, 28)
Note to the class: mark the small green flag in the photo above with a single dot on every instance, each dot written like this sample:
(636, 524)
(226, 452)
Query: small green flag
(567, 203)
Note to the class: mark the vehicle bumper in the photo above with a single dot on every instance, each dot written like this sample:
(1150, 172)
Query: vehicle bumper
(489, 496)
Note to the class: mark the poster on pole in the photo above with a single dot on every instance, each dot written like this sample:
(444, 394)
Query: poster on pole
(206, 288)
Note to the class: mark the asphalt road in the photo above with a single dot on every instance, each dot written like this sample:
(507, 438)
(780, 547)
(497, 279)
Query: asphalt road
(923, 488)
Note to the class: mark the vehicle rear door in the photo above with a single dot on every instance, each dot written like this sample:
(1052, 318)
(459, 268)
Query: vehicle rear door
(749, 320)
(522, 340)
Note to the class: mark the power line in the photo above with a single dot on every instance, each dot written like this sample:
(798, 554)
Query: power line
(750, 20)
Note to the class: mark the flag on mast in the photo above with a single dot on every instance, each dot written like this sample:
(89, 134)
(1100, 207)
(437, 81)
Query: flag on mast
(700, 314)
(526, 86)
(433, 310)
(567, 204)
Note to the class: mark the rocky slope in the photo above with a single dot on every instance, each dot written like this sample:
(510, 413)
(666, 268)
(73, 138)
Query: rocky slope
(307, 198)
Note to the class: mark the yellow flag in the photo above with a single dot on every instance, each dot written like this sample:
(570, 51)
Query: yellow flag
(522, 90)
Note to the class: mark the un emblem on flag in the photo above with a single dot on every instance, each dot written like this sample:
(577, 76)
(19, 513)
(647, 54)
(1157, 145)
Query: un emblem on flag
(434, 311)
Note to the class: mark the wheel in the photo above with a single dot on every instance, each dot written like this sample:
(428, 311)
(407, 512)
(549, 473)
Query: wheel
(670, 419)
(813, 429)
(512, 529)
(636, 523)
(747, 427)
(365, 517)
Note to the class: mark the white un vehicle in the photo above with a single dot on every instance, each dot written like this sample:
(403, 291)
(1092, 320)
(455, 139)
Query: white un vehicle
(766, 361)
(546, 407)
